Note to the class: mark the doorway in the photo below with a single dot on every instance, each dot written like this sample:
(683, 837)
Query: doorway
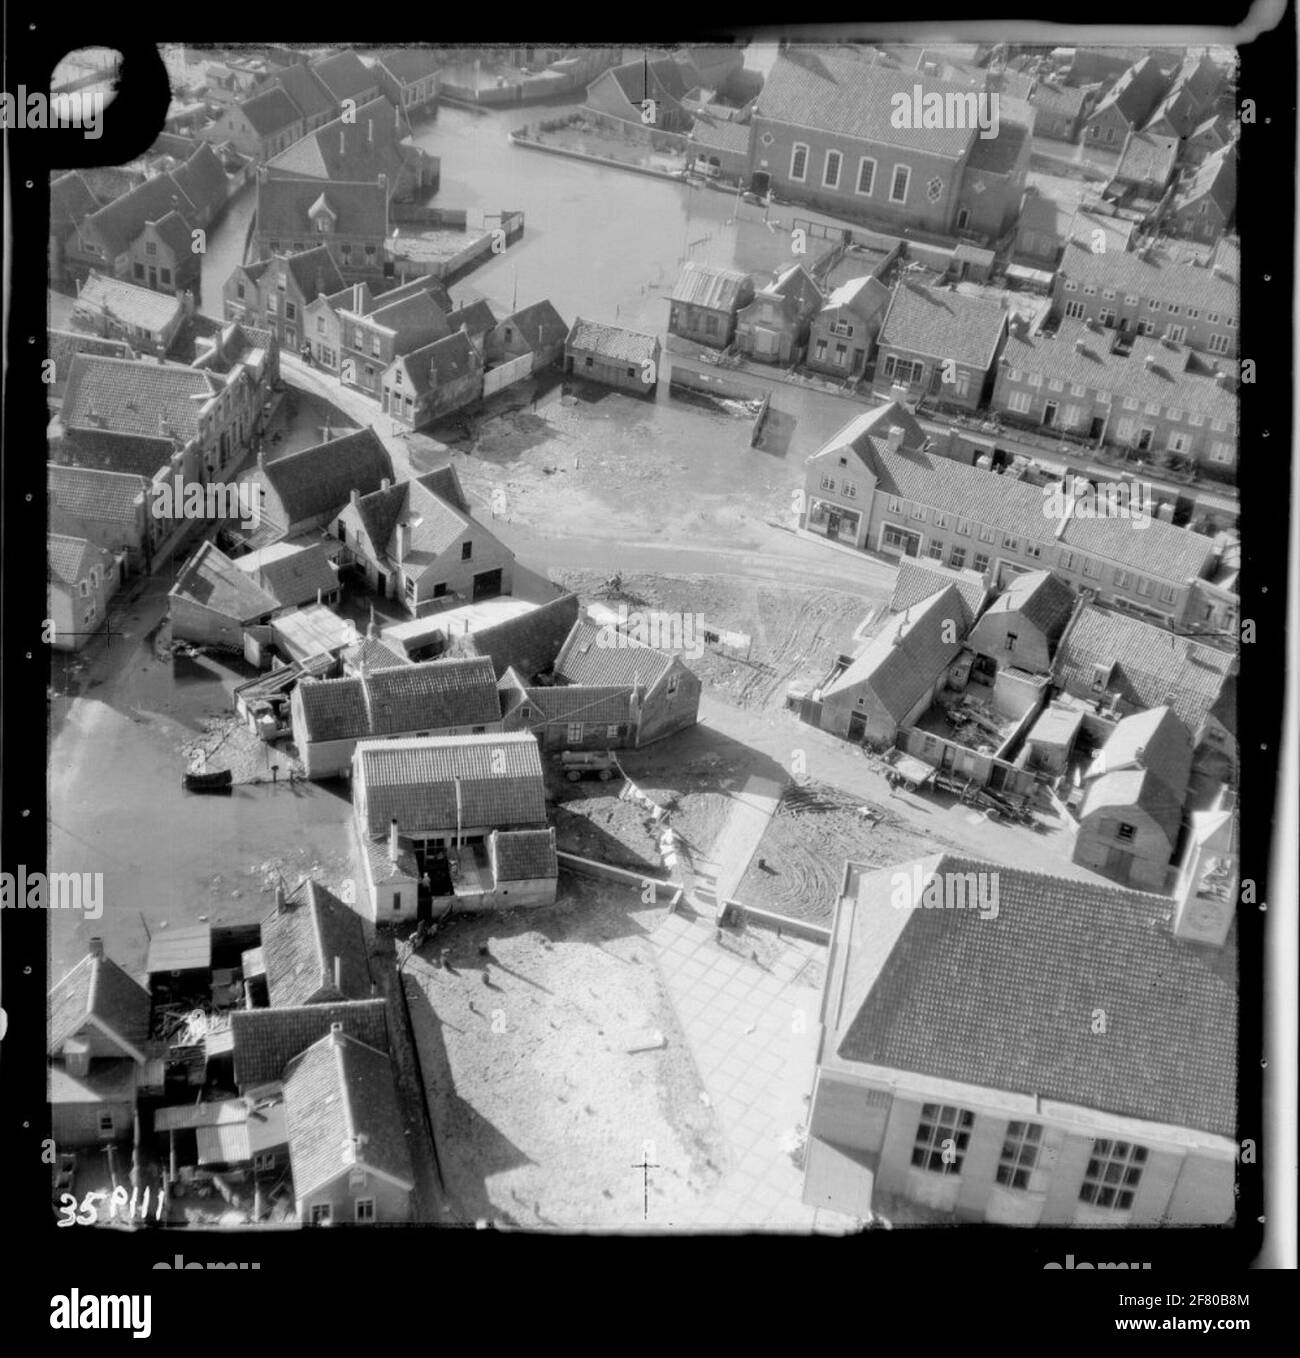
(857, 726)
(1049, 413)
(487, 584)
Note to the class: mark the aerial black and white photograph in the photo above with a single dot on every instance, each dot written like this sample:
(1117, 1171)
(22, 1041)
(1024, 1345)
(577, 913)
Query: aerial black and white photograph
(648, 641)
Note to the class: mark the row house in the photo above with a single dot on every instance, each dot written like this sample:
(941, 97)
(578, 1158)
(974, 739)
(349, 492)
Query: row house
(345, 76)
(1059, 110)
(953, 1082)
(704, 303)
(939, 344)
(313, 101)
(415, 546)
(260, 126)
(823, 134)
(842, 335)
(1203, 208)
(1209, 136)
(359, 147)
(324, 327)
(1154, 396)
(273, 294)
(305, 490)
(774, 327)
(1194, 96)
(109, 509)
(408, 77)
(427, 383)
(1146, 293)
(71, 201)
(350, 219)
(369, 342)
(878, 487)
(115, 309)
(1127, 106)
(82, 578)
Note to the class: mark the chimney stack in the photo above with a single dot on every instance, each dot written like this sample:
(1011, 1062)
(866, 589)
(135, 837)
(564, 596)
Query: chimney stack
(895, 440)
(355, 497)
(281, 902)
(385, 484)
(394, 848)
(95, 948)
(403, 539)
(338, 972)
(356, 299)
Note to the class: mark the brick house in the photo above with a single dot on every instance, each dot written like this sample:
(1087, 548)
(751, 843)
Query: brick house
(307, 489)
(71, 202)
(109, 509)
(408, 77)
(571, 716)
(1210, 135)
(314, 950)
(939, 344)
(1193, 97)
(614, 356)
(1145, 167)
(369, 341)
(951, 1087)
(704, 303)
(427, 383)
(274, 294)
(1127, 105)
(1148, 294)
(349, 219)
(83, 577)
(1022, 626)
(416, 546)
(774, 327)
(842, 336)
(537, 329)
(260, 126)
(115, 309)
(1153, 396)
(1059, 110)
(1204, 207)
(107, 239)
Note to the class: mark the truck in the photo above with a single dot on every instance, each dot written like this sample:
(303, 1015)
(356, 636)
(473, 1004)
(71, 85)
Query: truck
(579, 764)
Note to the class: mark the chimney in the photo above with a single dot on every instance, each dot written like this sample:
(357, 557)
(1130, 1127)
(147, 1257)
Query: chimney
(356, 299)
(320, 596)
(1222, 379)
(1150, 360)
(281, 901)
(261, 459)
(403, 540)
(343, 142)
(383, 183)
(385, 484)
(370, 131)
(355, 498)
(336, 1031)
(1079, 344)
(95, 948)
(338, 972)
(394, 848)
(895, 440)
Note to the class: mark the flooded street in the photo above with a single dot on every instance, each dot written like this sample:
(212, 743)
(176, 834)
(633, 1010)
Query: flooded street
(225, 250)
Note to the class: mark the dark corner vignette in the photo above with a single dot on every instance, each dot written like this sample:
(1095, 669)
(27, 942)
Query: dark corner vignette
(623, 729)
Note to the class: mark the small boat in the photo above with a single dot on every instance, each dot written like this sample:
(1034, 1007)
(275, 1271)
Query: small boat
(220, 781)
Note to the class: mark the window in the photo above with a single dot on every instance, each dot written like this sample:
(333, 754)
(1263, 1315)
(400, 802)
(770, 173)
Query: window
(866, 174)
(1212, 317)
(1012, 638)
(264, 1160)
(1066, 560)
(957, 558)
(1077, 390)
(1035, 379)
(1019, 1154)
(671, 686)
(613, 732)
(106, 1124)
(1089, 289)
(466, 551)
(1130, 403)
(272, 303)
(1143, 586)
(1193, 313)
(941, 1138)
(935, 549)
(1153, 407)
(1091, 568)
(1166, 594)
(321, 1214)
(1222, 453)
(919, 512)
(1011, 542)
(374, 345)
(850, 490)
(963, 527)
(365, 1209)
(1123, 580)
(239, 291)
(986, 533)
(940, 520)
(138, 270)
(831, 172)
(1071, 285)
(150, 247)
(275, 247)
(1033, 549)
(1113, 1174)
(165, 274)
(799, 162)
(828, 483)
(323, 224)
(1218, 344)
(934, 189)
(895, 505)
(440, 589)
(1075, 310)
(981, 562)
(290, 311)
(898, 189)
(573, 732)
(1196, 421)
(1106, 316)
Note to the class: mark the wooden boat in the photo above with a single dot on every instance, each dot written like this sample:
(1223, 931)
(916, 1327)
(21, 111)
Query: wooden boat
(220, 781)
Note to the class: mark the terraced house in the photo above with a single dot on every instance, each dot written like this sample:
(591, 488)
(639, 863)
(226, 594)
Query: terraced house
(1153, 396)
(349, 219)
(273, 294)
(939, 344)
(1127, 105)
(408, 76)
(1147, 293)
(1203, 208)
(877, 486)
(370, 341)
(259, 126)
(823, 136)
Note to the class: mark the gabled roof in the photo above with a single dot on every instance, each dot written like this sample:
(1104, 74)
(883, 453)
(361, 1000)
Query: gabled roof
(1135, 94)
(121, 221)
(905, 658)
(299, 82)
(266, 1040)
(1148, 159)
(432, 696)
(88, 493)
(341, 1112)
(1148, 667)
(539, 325)
(605, 704)
(284, 204)
(952, 995)
(417, 318)
(126, 303)
(97, 991)
(295, 577)
(173, 231)
(1043, 599)
(212, 579)
(408, 64)
(641, 80)
(435, 365)
(126, 396)
(795, 285)
(354, 149)
(303, 941)
(998, 155)
(941, 324)
(523, 855)
(529, 642)
(588, 657)
(270, 112)
(611, 341)
(70, 201)
(921, 580)
(415, 781)
(1135, 790)
(202, 178)
(1157, 278)
(864, 296)
(708, 286)
(476, 317)
(1155, 740)
(344, 75)
(70, 559)
(320, 479)
(851, 97)
(1215, 180)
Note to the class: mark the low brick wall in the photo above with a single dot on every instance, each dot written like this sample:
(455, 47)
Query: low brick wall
(638, 881)
(733, 912)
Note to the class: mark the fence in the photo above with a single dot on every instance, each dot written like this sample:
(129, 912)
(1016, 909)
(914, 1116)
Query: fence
(495, 379)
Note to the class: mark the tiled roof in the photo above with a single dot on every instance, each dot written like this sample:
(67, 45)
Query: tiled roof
(296, 578)
(1082, 356)
(266, 1040)
(314, 271)
(125, 302)
(1148, 666)
(921, 580)
(611, 341)
(341, 1111)
(319, 480)
(1216, 179)
(1135, 94)
(374, 654)
(905, 658)
(425, 283)
(62, 344)
(103, 450)
(584, 660)
(202, 178)
(1135, 789)
(848, 96)
(70, 201)
(270, 112)
(1041, 598)
(415, 781)
(995, 1002)
(1148, 159)
(607, 704)
(70, 559)
(1156, 278)
(284, 204)
(435, 365)
(300, 945)
(299, 82)
(401, 698)
(476, 317)
(88, 493)
(1065, 100)
(445, 484)
(529, 642)
(174, 233)
(212, 579)
(1156, 740)
(135, 397)
(417, 318)
(944, 325)
(121, 221)
(409, 64)
(641, 80)
(97, 988)
(708, 286)
(722, 135)
(865, 296)
(524, 855)
(344, 75)
(356, 150)
(539, 325)
(998, 155)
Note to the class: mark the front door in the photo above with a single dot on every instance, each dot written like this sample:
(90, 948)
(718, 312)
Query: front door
(1049, 412)
(1119, 863)
(857, 725)
(1145, 436)
(487, 584)
(832, 524)
(153, 276)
